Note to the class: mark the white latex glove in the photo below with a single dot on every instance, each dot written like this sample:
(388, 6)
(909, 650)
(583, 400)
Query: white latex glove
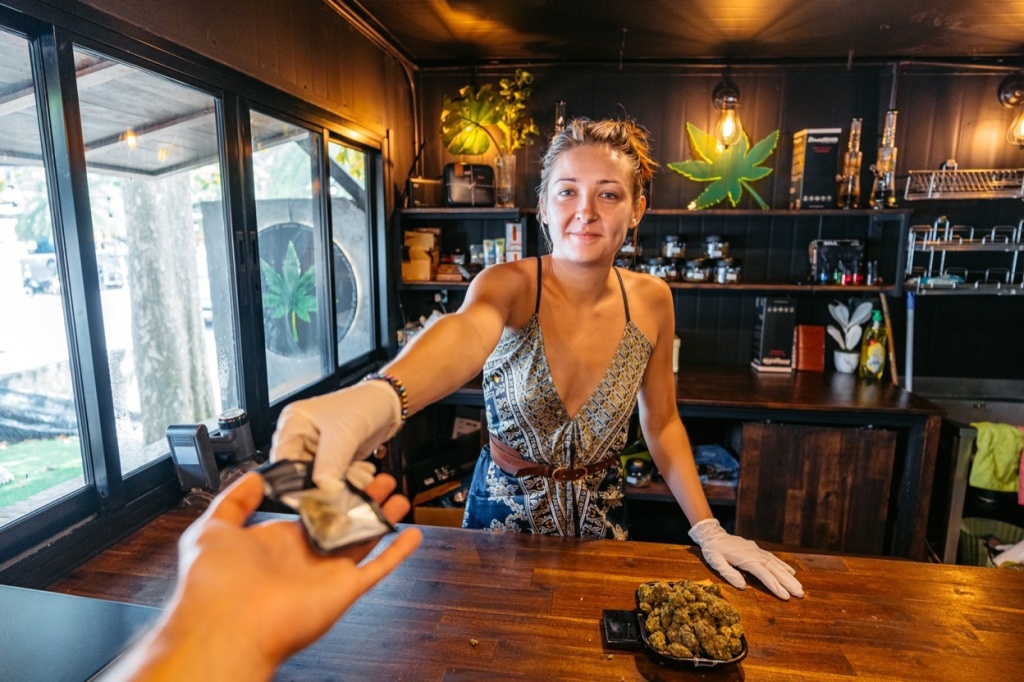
(723, 551)
(336, 428)
(361, 474)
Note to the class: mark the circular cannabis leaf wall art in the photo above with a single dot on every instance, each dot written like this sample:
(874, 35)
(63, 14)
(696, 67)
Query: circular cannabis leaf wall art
(729, 169)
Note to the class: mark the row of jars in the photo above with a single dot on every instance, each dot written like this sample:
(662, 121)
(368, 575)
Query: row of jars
(718, 270)
(674, 246)
(714, 265)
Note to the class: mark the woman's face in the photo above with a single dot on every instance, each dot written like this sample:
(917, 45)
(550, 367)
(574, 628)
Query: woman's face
(588, 206)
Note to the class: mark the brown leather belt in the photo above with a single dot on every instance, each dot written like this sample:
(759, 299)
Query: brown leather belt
(513, 464)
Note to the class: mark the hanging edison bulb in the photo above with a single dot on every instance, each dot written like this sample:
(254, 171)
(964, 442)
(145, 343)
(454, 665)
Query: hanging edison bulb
(728, 129)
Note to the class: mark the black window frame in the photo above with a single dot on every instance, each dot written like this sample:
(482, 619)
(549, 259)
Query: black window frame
(48, 542)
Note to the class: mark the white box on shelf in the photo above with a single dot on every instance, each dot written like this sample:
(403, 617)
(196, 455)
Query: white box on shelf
(513, 236)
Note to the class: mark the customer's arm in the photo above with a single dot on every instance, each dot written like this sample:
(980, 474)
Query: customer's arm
(249, 597)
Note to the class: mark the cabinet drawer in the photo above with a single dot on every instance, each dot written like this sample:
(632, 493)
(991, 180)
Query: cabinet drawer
(816, 487)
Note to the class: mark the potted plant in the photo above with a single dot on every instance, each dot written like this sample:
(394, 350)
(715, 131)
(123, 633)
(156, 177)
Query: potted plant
(846, 358)
(469, 123)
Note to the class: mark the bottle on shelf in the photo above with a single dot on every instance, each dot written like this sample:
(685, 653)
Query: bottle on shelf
(849, 182)
(883, 190)
(873, 348)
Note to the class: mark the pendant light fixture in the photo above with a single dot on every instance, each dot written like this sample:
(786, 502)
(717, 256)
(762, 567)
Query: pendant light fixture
(1011, 95)
(726, 98)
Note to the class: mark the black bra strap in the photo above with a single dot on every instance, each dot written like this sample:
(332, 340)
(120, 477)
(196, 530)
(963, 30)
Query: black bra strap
(536, 308)
(625, 301)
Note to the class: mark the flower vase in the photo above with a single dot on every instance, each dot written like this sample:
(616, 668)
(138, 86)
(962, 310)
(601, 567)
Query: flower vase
(846, 361)
(505, 183)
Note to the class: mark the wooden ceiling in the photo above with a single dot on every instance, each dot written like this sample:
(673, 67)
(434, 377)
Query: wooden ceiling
(434, 33)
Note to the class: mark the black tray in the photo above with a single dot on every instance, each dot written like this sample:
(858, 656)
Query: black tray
(696, 661)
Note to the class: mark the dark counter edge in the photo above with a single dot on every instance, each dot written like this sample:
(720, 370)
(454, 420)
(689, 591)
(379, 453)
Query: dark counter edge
(700, 389)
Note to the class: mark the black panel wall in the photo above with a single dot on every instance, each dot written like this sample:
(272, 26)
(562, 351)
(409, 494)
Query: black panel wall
(945, 112)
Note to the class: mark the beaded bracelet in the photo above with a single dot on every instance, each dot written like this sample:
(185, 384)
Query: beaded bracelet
(399, 387)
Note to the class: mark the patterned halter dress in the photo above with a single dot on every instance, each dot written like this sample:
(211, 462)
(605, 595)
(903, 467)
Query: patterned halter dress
(526, 413)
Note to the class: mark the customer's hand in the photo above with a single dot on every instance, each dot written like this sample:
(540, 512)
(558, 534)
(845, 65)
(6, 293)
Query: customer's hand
(249, 597)
(336, 428)
(723, 551)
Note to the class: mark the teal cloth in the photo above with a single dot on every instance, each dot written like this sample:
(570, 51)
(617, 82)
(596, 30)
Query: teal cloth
(997, 457)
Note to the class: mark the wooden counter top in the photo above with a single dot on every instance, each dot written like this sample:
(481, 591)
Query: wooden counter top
(533, 605)
(742, 388)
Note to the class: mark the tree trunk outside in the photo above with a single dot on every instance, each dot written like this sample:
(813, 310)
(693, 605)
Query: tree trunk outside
(167, 326)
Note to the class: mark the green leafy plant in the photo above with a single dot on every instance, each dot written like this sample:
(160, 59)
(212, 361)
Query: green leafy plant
(290, 293)
(467, 121)
(729, 170)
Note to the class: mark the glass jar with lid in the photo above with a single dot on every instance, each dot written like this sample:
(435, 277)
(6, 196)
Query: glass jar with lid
(728, 270)
(655, 266)
(695, 270)
(673, 246)
(715, 247)
(722, 266)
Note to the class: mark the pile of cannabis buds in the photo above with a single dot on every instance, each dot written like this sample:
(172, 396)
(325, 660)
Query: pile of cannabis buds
(689, 620)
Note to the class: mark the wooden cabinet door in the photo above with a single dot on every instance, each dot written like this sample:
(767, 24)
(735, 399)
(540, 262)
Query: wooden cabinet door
(817, 487)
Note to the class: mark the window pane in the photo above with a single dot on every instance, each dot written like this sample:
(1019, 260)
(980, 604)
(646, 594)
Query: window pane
(151, 151)
(353, 305)
(40, 452)
(288, 231)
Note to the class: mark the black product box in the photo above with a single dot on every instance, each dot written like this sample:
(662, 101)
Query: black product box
(773, 334)
(425, 192)
(815, 164)
(469, 184)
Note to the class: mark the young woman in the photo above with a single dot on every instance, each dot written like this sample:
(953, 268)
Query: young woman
(569, 345)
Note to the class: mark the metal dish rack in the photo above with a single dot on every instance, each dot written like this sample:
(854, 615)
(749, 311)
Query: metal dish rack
(937, 241)
(965, 184)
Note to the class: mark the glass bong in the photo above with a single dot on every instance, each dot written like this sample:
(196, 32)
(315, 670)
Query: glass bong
(883, 191)
(849, 182)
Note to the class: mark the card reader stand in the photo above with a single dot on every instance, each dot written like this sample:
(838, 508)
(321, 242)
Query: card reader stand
(199, 456)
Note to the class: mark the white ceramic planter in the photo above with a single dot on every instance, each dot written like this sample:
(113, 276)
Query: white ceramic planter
(846, 361)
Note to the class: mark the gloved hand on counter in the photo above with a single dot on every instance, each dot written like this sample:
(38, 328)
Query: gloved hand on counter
(723, 551)
(336, 428)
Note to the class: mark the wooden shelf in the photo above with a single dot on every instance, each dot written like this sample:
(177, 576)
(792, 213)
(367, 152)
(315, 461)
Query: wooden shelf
(741, 286)
(803, 212)
(463, 212)
(792, 288)
(433, 285)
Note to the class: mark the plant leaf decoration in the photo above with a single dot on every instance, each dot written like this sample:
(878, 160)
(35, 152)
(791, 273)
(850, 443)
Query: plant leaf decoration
(463, 120)
(853, 335)
(291, 292)
(729, 170)
(837, 335)
(840, 313)
(862, 313)
(852, 332)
